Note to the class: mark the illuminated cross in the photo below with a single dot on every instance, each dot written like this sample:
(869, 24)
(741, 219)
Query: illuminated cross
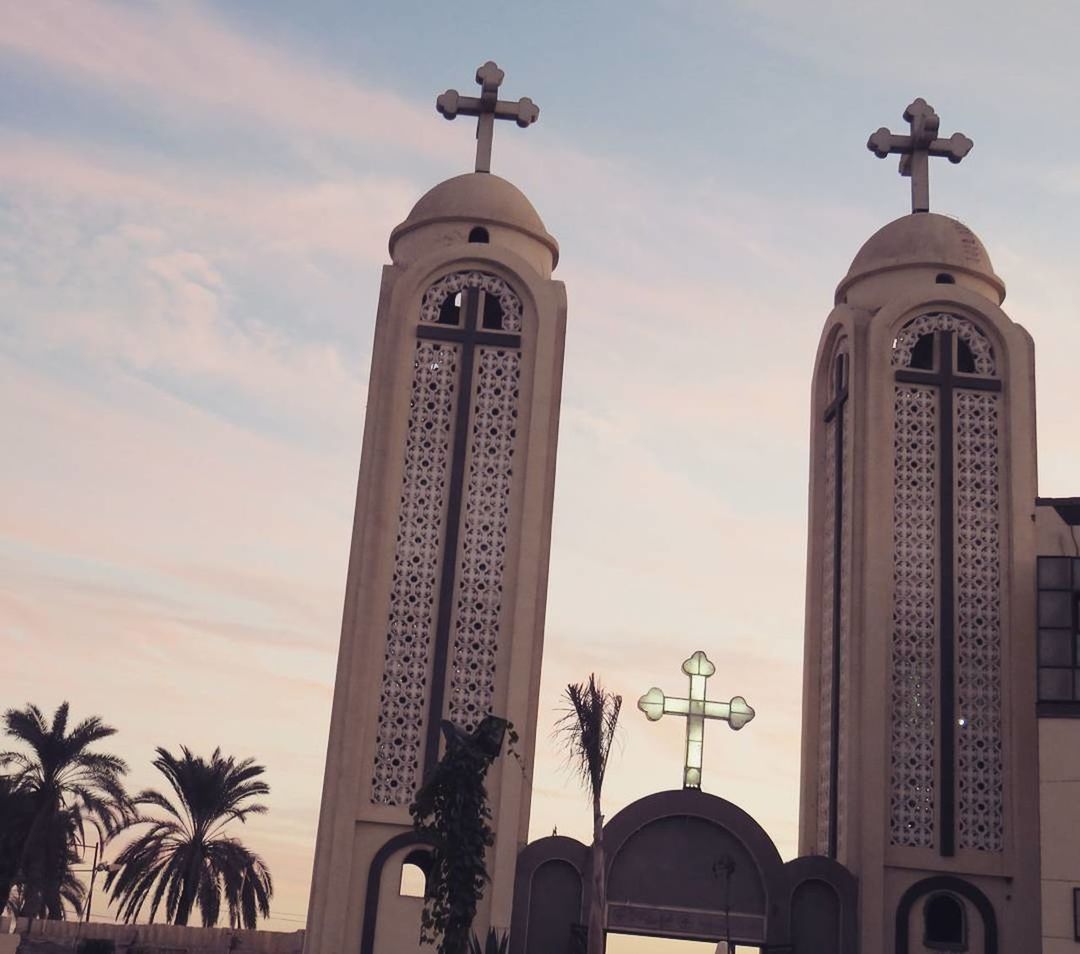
(696, 710)
(488, 107)
(916, 149)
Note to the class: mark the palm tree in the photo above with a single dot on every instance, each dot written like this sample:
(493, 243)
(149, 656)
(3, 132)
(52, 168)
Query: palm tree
(589, 728)
(72, 892)
(183, 859)
(16, 810)
(69, 787)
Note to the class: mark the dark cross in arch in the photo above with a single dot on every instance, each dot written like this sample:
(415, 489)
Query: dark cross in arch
(469, 334)
(915, 149)
(487, 107)
(834, 414)
(947, 377)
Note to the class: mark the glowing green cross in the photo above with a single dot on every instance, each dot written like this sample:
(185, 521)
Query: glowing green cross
(696, 710)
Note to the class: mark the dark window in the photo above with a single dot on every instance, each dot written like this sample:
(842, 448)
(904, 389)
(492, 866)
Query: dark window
(922, 355)
(1059, 634)
(944, 921)
(450, 310)
(493, 313)
(479, 234)
(965, 360)
(945, 279)
(1076, 914)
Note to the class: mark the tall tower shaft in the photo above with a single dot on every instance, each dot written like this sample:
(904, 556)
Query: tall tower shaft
(920, 765)
(446, 591)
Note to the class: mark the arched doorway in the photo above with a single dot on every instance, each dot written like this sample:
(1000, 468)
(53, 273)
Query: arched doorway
(684, 864)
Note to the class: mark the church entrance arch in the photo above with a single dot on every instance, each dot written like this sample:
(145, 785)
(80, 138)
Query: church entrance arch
(685, 865)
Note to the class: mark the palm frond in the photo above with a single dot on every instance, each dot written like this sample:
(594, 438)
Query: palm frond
(588, 727)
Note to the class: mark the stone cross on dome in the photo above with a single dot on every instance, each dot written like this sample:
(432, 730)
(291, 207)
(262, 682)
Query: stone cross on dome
(487, 107)
(915, 149)
(696, 709)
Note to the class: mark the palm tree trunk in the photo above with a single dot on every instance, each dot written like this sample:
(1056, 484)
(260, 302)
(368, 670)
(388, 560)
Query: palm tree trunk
(598, 900)
(191, 884)
(184, 905)
(30, 865)
(10, 869)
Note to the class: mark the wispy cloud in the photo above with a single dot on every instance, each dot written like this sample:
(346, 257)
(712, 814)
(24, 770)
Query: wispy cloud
(183, 347)
(180, 57)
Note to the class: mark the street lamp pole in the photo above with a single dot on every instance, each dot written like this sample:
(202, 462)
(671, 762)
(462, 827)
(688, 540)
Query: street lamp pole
(93, 875)
(725, 865)
(95, 867)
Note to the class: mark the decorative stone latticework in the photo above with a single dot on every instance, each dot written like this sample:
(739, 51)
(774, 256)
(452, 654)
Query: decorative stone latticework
(979, 770)
(485, 513)
(975, 689)
(914, 618)
(434, 297)
(414, 589)
(910, 334)
(483, 546)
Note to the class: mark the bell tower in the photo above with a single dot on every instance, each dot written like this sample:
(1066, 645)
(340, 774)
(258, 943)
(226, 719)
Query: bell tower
(446, 588)
(920, 762)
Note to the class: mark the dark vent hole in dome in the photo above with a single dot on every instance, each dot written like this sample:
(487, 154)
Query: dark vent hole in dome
(479, 234)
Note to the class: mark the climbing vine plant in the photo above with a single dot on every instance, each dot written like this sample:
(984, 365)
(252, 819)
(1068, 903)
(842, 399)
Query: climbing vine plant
(451, 812)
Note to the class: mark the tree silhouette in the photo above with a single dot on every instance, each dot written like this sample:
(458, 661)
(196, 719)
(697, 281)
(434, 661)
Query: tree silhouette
(588, 727)
(183, 859)
(56, 791)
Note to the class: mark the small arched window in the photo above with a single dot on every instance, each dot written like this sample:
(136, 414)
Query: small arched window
(444, 302)
(414, 874)
(945, 928)
(945, 279)
(479, 234)
(923, 357)
(917, 343)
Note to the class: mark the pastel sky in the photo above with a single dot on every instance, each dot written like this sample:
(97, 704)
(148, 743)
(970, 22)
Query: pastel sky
(194, 205)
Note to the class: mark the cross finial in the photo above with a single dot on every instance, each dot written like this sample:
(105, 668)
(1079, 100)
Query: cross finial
(487, 107)
(695, 710)
(916, 148)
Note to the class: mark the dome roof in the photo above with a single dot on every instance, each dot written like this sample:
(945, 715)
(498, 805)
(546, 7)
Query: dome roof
(922, 239)
(478, 197)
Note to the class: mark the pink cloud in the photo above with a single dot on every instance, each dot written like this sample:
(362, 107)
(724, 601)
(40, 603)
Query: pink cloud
(349, 217)
(182, 54)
